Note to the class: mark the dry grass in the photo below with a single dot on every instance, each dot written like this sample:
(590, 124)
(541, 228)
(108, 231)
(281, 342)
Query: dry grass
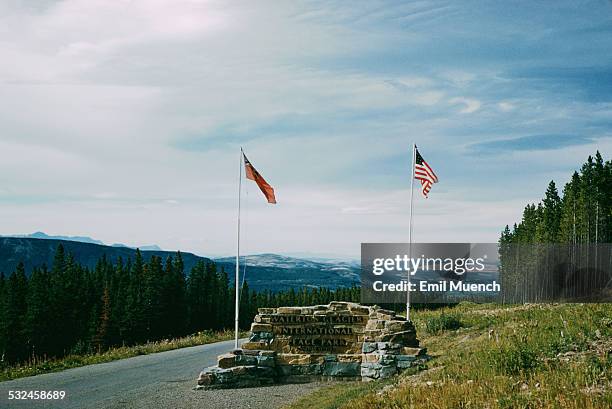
(488, 356)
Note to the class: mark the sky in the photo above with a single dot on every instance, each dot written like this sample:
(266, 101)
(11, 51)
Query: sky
(123, 120)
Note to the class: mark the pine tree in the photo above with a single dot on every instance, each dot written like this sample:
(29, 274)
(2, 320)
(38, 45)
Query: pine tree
(3, 323)
(551, 219)
(134, 320)
(101, 340)
(152, 294)
(37, 323)
(196, 295)
(16, 309)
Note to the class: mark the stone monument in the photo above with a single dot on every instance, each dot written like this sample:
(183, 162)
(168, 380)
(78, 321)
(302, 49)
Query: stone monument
(338, 341)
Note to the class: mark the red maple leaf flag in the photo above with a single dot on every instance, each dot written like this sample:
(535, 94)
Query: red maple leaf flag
(253, 174)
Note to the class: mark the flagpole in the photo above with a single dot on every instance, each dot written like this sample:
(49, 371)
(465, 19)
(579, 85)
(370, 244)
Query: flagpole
(410, 228)
(237, 281)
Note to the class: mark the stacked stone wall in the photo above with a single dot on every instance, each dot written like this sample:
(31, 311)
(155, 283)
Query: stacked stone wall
(338, 341)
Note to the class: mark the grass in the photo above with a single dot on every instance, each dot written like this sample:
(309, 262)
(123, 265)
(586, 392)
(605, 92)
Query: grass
(337, 395)
(491, 356)
(38, 366)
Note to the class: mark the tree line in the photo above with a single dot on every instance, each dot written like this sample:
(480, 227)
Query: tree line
(582, 214)
(558, 250)
(71, 309)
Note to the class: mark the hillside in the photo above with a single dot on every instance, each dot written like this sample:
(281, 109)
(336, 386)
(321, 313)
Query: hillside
(267, 271)
(492, 356)
(34, 252)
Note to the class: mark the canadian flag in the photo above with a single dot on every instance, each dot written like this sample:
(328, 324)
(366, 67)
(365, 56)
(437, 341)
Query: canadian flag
(253, 174)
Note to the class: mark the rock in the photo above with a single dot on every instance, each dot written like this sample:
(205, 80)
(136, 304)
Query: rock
(386, 359)
(397, 326)
(387, 371)
(370, 358)
(338, 306)
(349, 358)
(254, 345)
(266, 361)
(359, 309)
(348, 369)
(372, 372)
(405, 361)
(387, 346)
(402, 337)
(288, 310)
(226, 360)
(258, 327)
(293, 359)
(330, 358)
(368, 347)
(246, 360)
(206, 378)
(375, 324)
(412, 351)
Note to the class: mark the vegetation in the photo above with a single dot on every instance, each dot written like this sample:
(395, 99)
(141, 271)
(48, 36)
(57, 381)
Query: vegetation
(560, 250)
(444, 321)
(528, 356)
(36, 366)
(70, 310)
(525, 356)
(583, 214)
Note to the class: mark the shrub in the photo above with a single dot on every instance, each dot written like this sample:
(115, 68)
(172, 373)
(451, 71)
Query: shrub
(443, 322)
(513, 360)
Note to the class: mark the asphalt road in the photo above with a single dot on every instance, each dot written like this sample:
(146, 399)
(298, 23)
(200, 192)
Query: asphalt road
(162, 380)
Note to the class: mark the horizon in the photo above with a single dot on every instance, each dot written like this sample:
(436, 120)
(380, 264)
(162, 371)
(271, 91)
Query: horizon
(141, 110)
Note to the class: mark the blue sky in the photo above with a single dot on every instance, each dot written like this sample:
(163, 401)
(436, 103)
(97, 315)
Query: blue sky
(123, 120)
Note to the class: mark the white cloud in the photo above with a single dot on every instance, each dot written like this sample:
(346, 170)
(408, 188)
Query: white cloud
(470, 105)
(505, 106)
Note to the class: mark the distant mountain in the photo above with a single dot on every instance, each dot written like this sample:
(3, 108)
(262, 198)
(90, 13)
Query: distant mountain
(153, 247)
(80, 239)
(35, 252)
(263, 271)
(306, 272)
(42, 235)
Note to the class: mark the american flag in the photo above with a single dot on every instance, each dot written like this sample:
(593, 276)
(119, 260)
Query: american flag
(424, 173)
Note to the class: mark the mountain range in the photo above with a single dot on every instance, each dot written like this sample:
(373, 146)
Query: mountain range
(263, 271)
(80, 239)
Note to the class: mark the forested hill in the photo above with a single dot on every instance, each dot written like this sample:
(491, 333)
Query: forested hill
(38, 252)
(276, 273)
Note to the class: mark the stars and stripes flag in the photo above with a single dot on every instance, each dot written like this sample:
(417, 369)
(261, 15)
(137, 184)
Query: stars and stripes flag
(424, 173)
(253, 174)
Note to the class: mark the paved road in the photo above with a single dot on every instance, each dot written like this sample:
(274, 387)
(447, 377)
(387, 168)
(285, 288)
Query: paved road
(163, 380)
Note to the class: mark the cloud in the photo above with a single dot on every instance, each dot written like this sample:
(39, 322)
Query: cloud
(470, 105)
(505, 106)
(591, 82)
(530, 143)
(150, 100)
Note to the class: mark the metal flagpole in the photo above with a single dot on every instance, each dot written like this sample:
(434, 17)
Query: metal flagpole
(410, 228)
(237, 281)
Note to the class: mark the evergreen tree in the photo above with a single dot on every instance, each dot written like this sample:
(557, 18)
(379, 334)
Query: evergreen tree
(551, 214)
(37, 323)
(15, 348)
(101, 339)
